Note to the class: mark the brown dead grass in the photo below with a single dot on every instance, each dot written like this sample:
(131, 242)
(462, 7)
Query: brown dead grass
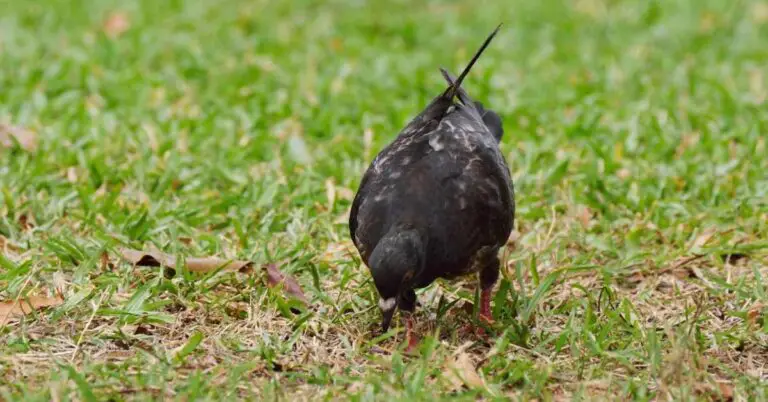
(660, 297)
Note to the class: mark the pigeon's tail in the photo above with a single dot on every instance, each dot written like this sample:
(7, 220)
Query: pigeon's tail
(460, 92)
(453, 89)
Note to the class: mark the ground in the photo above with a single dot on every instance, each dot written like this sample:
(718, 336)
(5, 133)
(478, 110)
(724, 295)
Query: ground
(635, 133)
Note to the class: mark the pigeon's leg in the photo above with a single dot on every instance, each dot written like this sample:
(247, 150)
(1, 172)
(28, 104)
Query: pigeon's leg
(489, 274)
(407, 304)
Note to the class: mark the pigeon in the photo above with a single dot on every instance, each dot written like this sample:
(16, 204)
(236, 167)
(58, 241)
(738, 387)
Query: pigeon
(437, 202)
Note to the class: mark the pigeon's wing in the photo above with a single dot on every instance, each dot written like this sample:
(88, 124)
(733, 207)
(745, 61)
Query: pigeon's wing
(356, 208)
(373, 205)
(480, 182)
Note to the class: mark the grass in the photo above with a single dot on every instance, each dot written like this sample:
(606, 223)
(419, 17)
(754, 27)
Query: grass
(635, 132)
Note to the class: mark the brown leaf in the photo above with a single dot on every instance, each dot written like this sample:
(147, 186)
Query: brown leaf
(330, 193)
(461, 372)
(116, 24)
(703, 238)
(623, 173)
(759, 12)
(72, 175)
(721, 391)
(15, 308)
(367, 142)
(336, 252)
(345, 193)
(681, 268)
(26, 222)
(726, 390)
(755, 312)
(205, 264)
(732, 258)
(275, 277)
(9, 135)
(59, 283)
(585, 216)
(104, 262)
(336, 44)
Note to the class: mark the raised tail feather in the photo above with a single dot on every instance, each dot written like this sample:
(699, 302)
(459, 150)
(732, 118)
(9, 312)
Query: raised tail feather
(460, 92)
(454, 88)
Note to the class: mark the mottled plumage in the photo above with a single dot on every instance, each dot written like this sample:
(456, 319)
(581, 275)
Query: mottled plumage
(437, 202)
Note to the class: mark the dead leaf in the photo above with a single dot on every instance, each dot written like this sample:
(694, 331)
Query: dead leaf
(461, 372)
(26, 222)
(205, 264)
(11, 309)
(726, 390)
(345, 193)
(703, 238)
(688, 140)
(335, 252)
(708, 22)
(237, 310)
(681, 268)
(634, 278)
(755, 312)
(732, 258)
(104, 262)
(116, 24)
(72, 175)
(367, 142)
(760, 12)
(9, 135)
(185, 240)
(623, 173)
(275, 277)
(59, 283)
(514, 237)
(330, 193)
(722, 391)
(585, 216)
(152, 141)
(756, 87)
(336, 44)
(298, 150)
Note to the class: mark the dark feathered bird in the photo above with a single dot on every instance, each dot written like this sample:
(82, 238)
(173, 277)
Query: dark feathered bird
(437, 202)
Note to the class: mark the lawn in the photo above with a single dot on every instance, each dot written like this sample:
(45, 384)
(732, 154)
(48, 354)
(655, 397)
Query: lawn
(635, 134)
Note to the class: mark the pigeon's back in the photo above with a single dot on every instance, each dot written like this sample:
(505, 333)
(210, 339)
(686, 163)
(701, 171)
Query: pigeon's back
(449, 181)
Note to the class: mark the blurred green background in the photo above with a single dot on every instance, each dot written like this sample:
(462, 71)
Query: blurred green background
(635, 132)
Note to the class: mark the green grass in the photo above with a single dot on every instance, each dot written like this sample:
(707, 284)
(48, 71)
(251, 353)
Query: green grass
(635, 132)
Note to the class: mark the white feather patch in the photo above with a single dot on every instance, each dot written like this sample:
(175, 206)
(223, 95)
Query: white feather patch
(434, 142)
(387, 304)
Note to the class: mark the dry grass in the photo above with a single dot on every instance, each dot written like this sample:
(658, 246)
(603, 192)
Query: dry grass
(240, 129)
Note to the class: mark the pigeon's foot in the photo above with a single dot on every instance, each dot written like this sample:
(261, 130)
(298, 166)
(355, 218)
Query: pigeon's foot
(485, 306)
(410, 336)
(413, 346)
(485, 317)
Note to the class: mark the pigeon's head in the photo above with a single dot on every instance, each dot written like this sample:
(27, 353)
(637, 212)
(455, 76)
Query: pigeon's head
(491, 120)
(395, 261)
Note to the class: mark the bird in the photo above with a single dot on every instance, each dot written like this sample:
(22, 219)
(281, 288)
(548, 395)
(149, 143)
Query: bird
(436, 202)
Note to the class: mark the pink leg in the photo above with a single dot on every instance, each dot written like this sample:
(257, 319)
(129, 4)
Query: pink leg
(485, 314)
(410, 336)
(485, 306)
